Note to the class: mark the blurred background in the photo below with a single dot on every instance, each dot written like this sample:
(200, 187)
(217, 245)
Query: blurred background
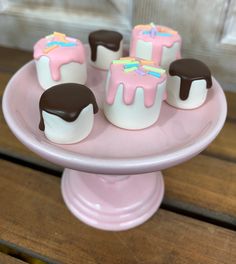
(207, 27)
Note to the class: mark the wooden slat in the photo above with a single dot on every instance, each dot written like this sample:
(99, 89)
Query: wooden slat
(13, 59)
(224, 145)
(206, 183)
(5, 259)
(34, 216)
(231, 101)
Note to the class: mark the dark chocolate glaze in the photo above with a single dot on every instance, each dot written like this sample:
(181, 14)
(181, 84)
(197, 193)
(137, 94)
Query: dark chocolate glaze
(109, 39)
(66, 100)
(189, 70)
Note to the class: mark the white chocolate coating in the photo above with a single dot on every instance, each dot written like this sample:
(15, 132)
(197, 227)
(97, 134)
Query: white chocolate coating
(106, 56)
(136, 115)
(60, 131)
(72, 72)
(197, 93)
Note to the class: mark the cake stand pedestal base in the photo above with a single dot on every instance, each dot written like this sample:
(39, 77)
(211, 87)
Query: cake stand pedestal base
(112, 202)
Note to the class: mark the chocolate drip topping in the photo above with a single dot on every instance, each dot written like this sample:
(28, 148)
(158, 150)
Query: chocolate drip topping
(66, 100)
(109, 39)
(189, 70)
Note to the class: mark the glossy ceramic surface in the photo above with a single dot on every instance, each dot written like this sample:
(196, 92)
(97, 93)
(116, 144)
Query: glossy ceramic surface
(177, 136)
(112, 205)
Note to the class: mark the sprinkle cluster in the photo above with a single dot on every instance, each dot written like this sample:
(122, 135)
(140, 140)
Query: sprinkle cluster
(58, 40)
(161, 31)
(141, 67)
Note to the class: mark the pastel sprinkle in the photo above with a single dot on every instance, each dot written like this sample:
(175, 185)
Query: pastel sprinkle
(144, 62)
(152, 24)
(49, 36)
(62, 44)
(46, 50)
(123, 61)
(153, 32)
(127, 58)
(146, 32)
(130, 69)
(130, 65)
(158, 70)
(164, 34)
(147, 26)
(138, 71)
(58, 34)
(155, 74)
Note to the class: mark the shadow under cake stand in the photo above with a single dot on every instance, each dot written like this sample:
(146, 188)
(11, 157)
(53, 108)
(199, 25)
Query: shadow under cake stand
(112, 179)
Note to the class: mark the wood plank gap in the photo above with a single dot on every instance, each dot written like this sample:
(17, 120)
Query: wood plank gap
(28, 164)
(218, 156)
(201, 214)
(5, 258)
(23, 254)
(231, 119)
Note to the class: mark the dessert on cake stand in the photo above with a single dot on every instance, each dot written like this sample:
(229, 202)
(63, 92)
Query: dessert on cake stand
(112, 179)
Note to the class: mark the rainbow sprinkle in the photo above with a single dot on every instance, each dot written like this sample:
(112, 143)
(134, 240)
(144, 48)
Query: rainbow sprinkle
(50, 49)
(158, 70)
(130, 65)
(160, 31)
(141, 67)
(123, 61)
(127, 58)
(155, 74)
(144, 62)
(61, 44)
(140, 72)
(57, 40)
(130, 69)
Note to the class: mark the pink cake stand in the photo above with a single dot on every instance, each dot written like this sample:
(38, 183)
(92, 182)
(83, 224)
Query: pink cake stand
(112, 179)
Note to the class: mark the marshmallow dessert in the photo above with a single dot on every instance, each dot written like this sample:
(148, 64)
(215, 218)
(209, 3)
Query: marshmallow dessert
(135, 90)
(67, 113)
(60, 59)
(188, 83)
(105, 46)
(157, 43)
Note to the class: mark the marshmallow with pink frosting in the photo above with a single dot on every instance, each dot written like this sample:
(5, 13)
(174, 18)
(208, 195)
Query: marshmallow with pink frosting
(158, 43)
(135, 90)
(60, 59)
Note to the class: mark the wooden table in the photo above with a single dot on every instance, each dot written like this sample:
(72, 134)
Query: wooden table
(196, 222)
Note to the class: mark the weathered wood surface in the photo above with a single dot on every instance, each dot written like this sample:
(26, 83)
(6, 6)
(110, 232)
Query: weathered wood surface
(34, 217)
(203, 183)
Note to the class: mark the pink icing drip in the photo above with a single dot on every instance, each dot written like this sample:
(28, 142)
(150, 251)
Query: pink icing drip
(131, 81)
(158, 42)
(60, 55)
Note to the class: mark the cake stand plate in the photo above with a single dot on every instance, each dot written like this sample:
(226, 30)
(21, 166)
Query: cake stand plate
(113, 179)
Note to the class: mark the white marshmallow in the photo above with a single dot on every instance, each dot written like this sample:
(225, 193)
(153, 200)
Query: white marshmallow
(105, 56)
(60, 131)
(197, 93)
(144, 50)
(135, 115)
(72, 72)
